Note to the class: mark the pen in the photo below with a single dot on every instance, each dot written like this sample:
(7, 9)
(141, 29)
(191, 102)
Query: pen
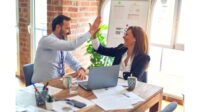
(35, 88)
(126, 95)
(45, 86)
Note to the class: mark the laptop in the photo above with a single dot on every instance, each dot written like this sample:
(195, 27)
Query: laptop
(101, 77)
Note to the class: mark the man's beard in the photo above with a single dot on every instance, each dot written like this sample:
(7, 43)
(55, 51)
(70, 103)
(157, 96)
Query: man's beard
(64, 35)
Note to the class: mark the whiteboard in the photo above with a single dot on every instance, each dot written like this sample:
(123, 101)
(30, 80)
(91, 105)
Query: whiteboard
(124, 13)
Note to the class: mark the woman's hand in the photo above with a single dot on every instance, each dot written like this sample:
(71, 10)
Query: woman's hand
(94, 28)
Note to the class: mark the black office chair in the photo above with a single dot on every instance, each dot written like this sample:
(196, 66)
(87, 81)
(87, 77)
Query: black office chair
(28, 73)
(170, 107)
(144, 77)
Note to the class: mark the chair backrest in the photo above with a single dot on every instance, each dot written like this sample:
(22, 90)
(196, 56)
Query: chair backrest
(28, 72)
(144, 77)
(170, 107)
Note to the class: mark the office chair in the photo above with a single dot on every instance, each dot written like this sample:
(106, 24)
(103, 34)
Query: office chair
(28, 72)
(170, 107)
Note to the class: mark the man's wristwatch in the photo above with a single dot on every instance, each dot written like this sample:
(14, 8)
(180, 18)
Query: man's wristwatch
(82, 69)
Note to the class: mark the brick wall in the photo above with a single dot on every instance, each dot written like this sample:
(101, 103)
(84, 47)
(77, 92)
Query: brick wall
(81, 11)
(24, 36)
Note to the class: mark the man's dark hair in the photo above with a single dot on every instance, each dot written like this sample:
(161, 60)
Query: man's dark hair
(59, 20)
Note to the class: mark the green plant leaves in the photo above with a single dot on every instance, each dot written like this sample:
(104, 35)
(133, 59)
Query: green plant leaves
(96, 59)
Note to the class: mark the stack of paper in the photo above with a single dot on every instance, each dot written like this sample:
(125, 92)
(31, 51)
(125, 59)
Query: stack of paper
(115, 98)
(112, 102)
(99, 93)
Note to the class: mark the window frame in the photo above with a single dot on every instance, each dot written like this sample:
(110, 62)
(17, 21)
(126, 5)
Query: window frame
(174, 28)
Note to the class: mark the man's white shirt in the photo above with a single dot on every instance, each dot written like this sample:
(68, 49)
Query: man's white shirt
(48, 56)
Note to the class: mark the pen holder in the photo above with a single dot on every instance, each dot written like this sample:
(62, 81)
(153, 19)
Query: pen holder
(40, 97)
(49, 102)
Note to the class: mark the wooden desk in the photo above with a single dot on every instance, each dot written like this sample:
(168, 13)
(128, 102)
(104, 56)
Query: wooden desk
(152, 95)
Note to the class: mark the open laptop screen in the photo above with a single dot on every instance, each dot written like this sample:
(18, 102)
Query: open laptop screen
(102, 77)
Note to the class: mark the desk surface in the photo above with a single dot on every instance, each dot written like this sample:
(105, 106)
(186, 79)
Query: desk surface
(152, 95)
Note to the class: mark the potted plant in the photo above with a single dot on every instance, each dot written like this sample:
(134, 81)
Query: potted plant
(96, 59)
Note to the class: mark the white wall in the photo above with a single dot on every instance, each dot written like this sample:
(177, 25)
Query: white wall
(7, 57)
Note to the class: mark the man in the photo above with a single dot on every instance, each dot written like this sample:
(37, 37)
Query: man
(52, 51)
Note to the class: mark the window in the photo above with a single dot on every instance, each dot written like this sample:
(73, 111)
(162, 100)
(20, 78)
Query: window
(164, 23)
(180, 40)
(166, 40)
(38, 23)
(105, 13)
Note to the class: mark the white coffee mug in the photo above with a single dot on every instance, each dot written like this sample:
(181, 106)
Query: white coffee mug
(67, 81)
(49, 105)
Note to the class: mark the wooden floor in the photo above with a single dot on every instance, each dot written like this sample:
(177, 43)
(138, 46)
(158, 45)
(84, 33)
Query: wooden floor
(21, 84)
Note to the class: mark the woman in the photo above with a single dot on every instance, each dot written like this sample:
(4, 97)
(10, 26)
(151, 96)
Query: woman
(132, 55)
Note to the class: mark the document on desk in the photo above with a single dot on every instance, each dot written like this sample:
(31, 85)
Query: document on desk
(118, 101)
(113, 102)
(99, 93)
(115, 98)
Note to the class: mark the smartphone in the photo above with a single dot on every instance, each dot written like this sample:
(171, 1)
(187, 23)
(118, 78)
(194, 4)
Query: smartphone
(75, 103)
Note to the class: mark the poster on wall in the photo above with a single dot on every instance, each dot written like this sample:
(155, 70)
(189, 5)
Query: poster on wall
(125, 13)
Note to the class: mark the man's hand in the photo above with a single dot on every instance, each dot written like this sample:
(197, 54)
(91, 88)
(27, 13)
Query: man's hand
(80, 74)
(94, 28)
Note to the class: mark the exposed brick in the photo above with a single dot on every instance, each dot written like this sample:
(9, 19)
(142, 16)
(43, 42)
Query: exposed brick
(74, 21)
(49, 2)
(67, 2)
(51, 14)
(72, 9)
(23, 29)
(58, 8)
(50, 8)
(83, 9)
(75, 3)
(94, 3)
(55, 1)
(73, 26)
(93, 9)
(24, 4)
(87, 14)
(85, 3)
(24, 39)
(73, 15)
(83, 19)
(80, 14)
(22, 19)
